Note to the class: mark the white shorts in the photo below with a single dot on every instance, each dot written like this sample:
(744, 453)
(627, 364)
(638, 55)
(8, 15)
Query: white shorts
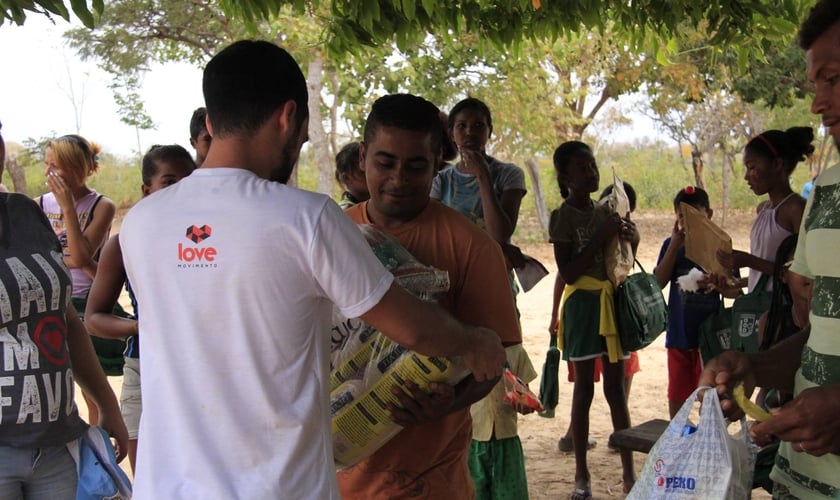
(131, 404)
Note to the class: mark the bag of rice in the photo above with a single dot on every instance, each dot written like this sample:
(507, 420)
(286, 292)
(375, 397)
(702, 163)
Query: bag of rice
(365, 364)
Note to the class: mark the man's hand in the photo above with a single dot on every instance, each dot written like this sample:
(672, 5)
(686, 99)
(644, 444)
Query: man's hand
(421, 406)
(724, 373)
(486, 359)
(809, 422)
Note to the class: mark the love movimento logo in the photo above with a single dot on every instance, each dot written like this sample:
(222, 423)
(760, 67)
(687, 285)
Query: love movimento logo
(197, 234)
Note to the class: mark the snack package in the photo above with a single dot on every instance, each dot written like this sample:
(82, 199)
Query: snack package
(618, 255)
(365, 364)
(517, 392)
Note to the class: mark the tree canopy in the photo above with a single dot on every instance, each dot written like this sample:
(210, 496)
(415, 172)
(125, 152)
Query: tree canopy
(352, 24)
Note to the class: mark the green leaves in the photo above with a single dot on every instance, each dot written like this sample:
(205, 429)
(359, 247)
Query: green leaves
(16, 10)
(358, 23)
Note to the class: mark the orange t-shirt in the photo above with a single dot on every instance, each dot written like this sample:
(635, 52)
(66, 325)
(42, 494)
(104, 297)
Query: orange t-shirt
(430, 460)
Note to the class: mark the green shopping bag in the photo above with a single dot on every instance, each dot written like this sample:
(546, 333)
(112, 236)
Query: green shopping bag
(735, 328)
(715, 334)
(640, 310)
(746, 311)
(549, 383)
(110, 352)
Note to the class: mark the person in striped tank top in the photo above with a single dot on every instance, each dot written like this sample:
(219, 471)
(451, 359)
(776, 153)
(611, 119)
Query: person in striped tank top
(807, 363)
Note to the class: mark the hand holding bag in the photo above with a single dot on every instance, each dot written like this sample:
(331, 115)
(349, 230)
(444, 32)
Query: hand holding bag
(640, 309)
(100, 477)
(707, 463)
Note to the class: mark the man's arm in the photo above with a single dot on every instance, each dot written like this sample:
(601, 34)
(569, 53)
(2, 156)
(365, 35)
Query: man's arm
(439, 400)
(775, 367)
(428, 329)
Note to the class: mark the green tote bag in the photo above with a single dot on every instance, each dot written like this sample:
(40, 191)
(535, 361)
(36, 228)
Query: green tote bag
(640, 310)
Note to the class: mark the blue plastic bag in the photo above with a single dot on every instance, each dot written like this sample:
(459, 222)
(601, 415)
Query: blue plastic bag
(100, 477)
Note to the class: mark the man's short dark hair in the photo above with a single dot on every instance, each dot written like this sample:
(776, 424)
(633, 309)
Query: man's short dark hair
(822, 16)
(407, 112)
(248, 81)
(197, 122)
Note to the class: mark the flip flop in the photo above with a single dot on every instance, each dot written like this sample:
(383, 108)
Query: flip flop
(566, 445)
(581, 494)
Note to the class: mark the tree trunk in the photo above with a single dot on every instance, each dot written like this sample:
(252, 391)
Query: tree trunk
(697, 166)
(333, 78)
(17, 174)
(539, 200)
(317, 135)
(726, 164)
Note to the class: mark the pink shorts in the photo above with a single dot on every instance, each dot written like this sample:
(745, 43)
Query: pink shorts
(631, 366)
(684, 368)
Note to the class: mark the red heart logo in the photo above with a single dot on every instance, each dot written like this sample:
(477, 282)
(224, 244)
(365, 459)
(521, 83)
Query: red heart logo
(49, 337)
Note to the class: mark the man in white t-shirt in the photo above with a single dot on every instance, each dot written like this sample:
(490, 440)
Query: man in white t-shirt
(236, 274)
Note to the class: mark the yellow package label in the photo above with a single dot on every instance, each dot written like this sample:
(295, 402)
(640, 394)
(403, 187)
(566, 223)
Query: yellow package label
(364, 425)
(360, 356)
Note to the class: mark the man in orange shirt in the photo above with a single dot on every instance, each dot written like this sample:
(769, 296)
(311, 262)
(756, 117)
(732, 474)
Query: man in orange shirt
(399, 154)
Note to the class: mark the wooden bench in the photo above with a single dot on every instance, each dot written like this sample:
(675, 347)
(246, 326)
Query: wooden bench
(640, 437)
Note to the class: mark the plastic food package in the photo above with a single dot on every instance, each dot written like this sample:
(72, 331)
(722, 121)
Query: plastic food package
(517, 392)
(365, 364)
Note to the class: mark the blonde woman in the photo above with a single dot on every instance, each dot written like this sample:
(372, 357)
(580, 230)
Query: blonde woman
(81, 218)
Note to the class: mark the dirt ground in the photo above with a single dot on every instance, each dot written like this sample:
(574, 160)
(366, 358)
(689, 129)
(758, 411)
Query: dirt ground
(550, 472)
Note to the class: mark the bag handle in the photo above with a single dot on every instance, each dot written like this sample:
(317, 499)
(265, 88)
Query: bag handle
(637, 263)
(552, 341)
(761, 286)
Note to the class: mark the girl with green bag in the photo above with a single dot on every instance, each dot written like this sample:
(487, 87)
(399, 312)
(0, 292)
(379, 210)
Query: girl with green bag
(586, 330)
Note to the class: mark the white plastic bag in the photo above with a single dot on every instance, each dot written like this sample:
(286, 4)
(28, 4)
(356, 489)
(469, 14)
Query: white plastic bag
(707, 463)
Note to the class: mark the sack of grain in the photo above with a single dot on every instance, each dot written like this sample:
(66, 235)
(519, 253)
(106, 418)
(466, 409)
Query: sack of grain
(365, 364)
